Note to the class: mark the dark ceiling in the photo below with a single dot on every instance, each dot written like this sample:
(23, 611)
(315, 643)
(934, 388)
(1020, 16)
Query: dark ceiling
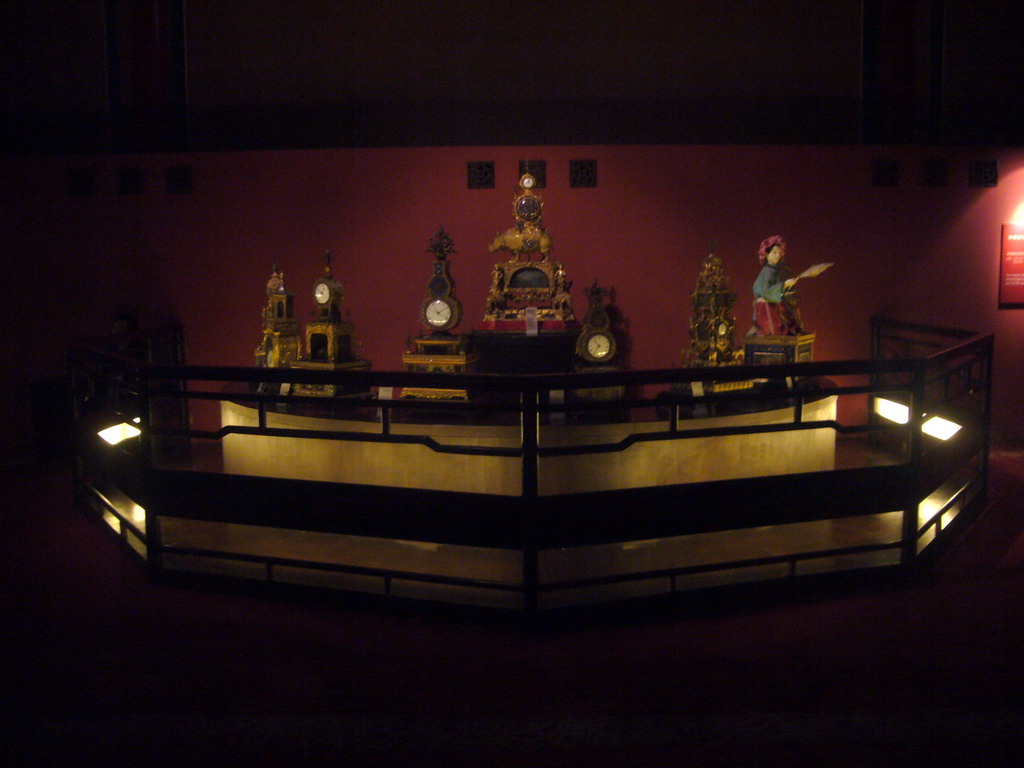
(154, 75)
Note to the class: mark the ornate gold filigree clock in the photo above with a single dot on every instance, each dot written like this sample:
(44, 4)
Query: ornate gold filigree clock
(518, 284)
(440, 351)
(279, 347)
(712, 326)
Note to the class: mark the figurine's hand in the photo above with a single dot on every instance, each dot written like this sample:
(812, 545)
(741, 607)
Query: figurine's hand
(789, 283)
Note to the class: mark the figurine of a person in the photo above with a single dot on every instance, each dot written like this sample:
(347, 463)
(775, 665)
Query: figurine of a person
(775, 301)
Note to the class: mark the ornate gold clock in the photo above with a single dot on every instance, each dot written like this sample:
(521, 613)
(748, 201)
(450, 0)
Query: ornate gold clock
(330, 340)
(712, 326)
(279, 347)
(520, 284)
(439, 351)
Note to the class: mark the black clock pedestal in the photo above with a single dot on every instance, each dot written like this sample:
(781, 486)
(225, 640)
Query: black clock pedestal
(515, 352)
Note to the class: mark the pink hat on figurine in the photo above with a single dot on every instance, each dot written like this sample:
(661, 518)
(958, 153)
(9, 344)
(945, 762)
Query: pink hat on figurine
(768, 243)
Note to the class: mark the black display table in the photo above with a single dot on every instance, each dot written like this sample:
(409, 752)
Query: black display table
(515, 352)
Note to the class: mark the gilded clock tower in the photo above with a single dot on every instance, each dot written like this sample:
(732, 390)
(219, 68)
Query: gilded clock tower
(279, 347)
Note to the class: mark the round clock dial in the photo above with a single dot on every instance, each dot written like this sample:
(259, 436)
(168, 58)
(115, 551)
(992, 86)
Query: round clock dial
(596, 346)
(322, 293)
(439, 314)
(722, 329)
(527, 182)
(528, 208)
(599, 346)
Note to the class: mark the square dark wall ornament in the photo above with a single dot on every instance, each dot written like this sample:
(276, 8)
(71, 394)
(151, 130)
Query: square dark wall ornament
(983, 173)
(885, 172)
(131, 181)
(536, 168)
(178, 179)
(934, 172)
(81, 181)
(582, 173)
(480, 174)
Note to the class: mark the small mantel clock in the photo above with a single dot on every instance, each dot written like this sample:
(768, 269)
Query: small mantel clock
(596, 343)
(596, 347)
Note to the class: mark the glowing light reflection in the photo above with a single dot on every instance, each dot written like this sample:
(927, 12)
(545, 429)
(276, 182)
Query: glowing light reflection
(939, 427)
(892, 411)
(119, 432)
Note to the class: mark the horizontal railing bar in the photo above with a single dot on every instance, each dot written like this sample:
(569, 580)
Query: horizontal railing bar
(519, 382)
(682, 434)
(712, 567)
(341, 568)
(366, 437)
(935, 330)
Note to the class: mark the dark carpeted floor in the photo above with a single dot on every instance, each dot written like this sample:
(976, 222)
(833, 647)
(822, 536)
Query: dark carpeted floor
(102, 667)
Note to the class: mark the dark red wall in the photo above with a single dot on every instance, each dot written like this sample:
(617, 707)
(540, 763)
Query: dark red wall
(73, 262)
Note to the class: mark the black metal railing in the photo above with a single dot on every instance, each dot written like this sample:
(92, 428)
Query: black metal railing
(930, 370)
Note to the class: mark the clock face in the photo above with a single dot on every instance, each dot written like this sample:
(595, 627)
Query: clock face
(322, 293)
(599, 346)
(527, 182)
(528, 208)
(437, 313)
(722, 329)
(596, 346)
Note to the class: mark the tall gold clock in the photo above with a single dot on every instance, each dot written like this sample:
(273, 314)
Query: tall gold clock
(279, 347)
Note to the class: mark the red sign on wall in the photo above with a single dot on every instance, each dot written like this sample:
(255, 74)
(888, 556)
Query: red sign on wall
(1011, 268)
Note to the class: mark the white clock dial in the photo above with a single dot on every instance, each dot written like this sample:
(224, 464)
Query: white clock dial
(437, 313)
(527, 182)
(722, 329)
(598, 345)
(322, 293)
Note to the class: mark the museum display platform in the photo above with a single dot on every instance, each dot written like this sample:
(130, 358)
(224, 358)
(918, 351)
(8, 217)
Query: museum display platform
(523, 498)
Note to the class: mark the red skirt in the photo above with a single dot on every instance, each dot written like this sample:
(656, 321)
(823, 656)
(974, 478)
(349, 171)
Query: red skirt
(776, 319)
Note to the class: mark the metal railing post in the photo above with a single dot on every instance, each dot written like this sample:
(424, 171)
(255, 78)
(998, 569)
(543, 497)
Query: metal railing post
(915, 445)
(529, 416)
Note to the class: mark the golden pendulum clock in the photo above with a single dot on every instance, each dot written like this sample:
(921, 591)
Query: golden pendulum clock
(330, 340)
(439, 351)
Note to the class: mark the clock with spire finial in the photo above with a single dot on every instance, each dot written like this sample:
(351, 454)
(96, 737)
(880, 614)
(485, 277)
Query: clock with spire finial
(441, 310)
(279, 346)
(439, 351)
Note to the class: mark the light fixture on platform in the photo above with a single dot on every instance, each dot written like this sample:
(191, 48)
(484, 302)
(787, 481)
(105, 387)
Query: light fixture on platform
(120, 432)
(936, 426)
